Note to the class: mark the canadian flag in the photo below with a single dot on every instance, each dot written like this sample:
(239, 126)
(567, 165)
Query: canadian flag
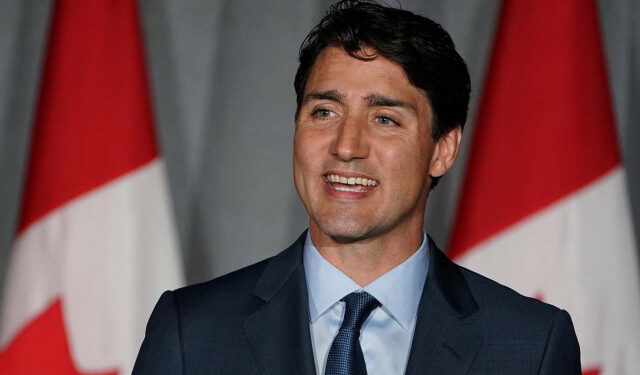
(95, 244)
(544, 206)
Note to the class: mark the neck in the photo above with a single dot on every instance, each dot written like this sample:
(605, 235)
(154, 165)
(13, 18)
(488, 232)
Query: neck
(367, 259)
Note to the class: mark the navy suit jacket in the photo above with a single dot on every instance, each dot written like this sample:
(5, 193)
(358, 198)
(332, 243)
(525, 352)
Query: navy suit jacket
(256, 321)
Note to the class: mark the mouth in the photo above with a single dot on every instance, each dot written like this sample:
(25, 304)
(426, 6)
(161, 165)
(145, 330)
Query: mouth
(351, 184)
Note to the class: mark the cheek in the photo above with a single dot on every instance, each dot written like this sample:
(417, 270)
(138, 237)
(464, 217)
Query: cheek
(300, 154)
(311, 146)
(406, 165)
(306, 158)
(298, 169)
(405, 156)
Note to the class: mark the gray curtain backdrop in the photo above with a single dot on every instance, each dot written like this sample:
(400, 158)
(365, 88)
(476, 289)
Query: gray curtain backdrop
(222, 85)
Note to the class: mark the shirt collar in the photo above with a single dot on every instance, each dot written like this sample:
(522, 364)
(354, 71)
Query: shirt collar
(398, 290)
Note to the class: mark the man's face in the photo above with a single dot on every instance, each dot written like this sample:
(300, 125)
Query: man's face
(362, 148)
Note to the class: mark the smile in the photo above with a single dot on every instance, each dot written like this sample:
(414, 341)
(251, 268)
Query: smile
(350, 184)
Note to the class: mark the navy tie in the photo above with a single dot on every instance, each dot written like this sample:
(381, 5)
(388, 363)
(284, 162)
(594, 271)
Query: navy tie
(345, 356)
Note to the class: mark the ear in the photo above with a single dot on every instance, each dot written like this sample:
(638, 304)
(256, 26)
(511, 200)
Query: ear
(445, 152)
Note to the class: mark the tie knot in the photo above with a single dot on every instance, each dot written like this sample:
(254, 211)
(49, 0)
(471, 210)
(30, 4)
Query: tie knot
(358, 307)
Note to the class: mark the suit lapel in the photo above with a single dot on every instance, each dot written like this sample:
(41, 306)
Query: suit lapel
(278, 331)
(442, 342)
(279, 335)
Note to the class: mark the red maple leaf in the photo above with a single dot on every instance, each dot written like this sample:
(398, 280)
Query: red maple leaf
(42, 348)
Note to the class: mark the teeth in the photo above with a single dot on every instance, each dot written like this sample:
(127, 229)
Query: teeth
(351, 181)
(344, 188)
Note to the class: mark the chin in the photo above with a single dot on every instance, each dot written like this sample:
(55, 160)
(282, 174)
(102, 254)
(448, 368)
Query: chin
(345, 230)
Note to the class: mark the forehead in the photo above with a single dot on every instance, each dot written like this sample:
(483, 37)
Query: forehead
(334, 69)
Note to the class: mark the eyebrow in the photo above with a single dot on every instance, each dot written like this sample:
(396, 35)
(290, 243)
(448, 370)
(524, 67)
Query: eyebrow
(334, 95)
(378, 100)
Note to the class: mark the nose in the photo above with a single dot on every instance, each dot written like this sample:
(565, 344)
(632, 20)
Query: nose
(351, 140)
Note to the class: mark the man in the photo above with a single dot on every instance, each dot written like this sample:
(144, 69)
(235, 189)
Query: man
(382, 96)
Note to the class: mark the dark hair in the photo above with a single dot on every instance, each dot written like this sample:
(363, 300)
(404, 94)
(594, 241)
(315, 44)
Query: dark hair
(421, 46)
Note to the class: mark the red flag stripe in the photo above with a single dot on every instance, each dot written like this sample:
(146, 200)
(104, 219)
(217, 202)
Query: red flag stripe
(545, 126)
(94, 120)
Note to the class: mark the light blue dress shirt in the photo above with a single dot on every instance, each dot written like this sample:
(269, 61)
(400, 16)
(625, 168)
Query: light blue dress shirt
(387, 334)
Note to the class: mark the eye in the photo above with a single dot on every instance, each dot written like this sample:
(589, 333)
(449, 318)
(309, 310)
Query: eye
(386, 121)
(323, 113)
